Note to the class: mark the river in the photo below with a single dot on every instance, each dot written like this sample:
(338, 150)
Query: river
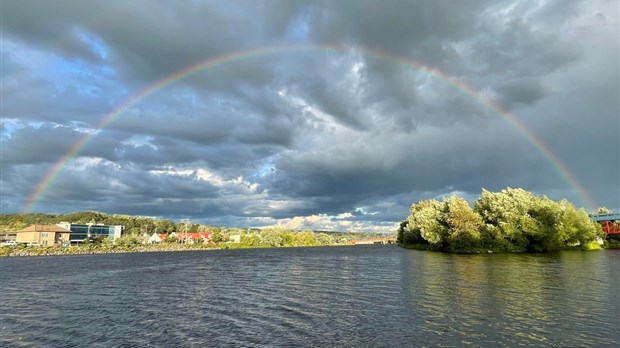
(361, 296)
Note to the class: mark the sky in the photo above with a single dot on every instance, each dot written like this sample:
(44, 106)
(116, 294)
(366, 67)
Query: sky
(328, 115)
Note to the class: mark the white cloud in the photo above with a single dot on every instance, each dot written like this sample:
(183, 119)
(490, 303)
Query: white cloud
(323, 222)
(205, 175)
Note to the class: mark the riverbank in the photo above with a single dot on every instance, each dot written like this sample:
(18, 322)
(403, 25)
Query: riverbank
(100, 249)
(612, 244)
(586, 247)
(10, 251)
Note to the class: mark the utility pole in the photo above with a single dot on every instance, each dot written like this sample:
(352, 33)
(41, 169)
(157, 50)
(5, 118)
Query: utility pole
(185, 238)
(145, 235)
(186, 221)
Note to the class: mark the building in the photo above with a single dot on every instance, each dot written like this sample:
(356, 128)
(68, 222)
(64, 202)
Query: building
(158, 238)
(7, 237)
(376, 240)
(193, 237)
(235, 238)
(81, 232)
(182, 237)
(43, 235)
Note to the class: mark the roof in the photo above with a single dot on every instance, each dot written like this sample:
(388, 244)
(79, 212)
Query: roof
(194, 235)
(44, 228)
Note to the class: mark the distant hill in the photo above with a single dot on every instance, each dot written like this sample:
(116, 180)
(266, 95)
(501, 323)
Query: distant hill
(132, 224)
(136, 225)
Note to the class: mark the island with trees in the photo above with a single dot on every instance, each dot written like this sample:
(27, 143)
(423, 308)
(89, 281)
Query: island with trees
(513, 220)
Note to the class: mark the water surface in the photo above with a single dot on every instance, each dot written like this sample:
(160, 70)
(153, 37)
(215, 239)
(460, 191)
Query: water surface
(362, 296)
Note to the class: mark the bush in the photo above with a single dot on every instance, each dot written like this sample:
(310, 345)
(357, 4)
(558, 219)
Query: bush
(591, 246)
(127, 241)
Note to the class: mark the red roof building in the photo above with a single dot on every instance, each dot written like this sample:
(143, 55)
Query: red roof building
(194, 237)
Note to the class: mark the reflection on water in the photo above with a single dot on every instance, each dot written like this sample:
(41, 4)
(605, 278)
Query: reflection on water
(561, 299)
(339, 296)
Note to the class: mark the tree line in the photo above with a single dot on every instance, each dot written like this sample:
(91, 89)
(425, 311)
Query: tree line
(137, 229)
(133, 225)
(513, 220)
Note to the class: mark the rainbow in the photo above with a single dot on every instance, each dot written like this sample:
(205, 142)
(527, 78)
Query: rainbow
(232, 57)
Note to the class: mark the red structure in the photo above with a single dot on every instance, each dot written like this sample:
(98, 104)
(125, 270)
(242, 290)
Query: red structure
(609, 227)
(610, 222)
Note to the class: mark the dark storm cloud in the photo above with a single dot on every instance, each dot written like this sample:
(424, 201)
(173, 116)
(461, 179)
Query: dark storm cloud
(45, 144)
(336, 137)
(517, 48)
(396, 26)
(523, 91)
(50, 25)
(437, 161)
(145, 39)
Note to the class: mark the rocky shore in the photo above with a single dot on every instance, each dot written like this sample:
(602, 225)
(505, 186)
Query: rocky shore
(90, 250)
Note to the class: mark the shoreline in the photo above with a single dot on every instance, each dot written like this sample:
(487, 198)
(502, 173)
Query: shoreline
(6, 252)
(93, 250)
(479, 251)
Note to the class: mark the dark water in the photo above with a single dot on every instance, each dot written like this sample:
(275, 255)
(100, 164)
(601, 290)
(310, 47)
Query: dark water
(364, 296)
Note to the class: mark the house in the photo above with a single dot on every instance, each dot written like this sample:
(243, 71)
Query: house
(182, 237)
(235, 238)
(158, 238)
(194, 237)
(44, 235)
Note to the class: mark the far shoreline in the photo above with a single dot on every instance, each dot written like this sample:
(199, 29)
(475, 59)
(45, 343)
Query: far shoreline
(6, 252)
(10, 252)
(96, 250)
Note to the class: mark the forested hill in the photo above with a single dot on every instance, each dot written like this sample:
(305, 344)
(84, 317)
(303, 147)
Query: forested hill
(133, 224)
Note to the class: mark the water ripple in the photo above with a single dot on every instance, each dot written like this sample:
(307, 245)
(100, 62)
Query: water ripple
(375, 296)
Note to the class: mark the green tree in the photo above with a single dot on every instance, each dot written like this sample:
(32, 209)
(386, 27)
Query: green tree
(250, 240)
(516, 220)
(324, 239)
(171, 239)
(288, 238)
(217, 236)
(464, 225)
(127, 241)
(305, 238)
(272, 236)
(577, 226)
(427, 219)
(503, 214)
(134, 231)
(540, 226)
(400, 235)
